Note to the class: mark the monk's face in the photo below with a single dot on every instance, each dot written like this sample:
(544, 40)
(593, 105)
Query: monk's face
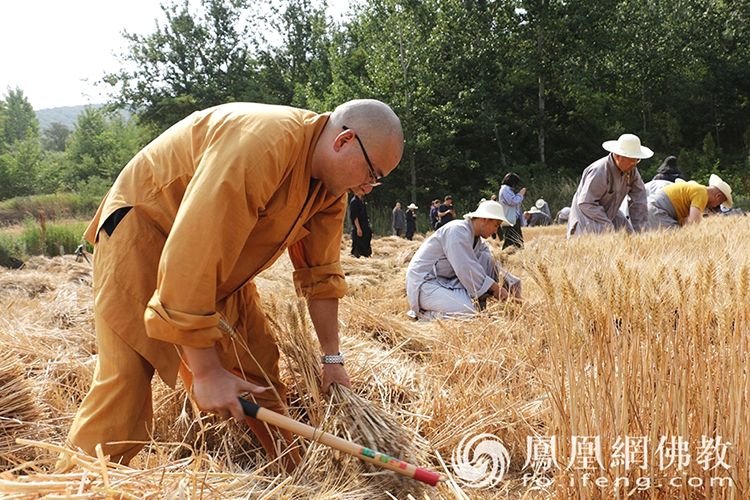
(715, 197)
(625, 164)
(359, 166)
(488, 227)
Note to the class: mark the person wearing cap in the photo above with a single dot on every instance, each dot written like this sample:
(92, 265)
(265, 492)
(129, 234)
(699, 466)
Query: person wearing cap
(454, 271)
(411, 221)
(605, 184)
(683, 203)
(537, 216)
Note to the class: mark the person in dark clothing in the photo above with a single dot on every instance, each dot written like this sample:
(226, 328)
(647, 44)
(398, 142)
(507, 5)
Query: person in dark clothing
(434, 219)
(668, 171)
(446, 212)
(361, 231)
(411, 221)
(536, 217)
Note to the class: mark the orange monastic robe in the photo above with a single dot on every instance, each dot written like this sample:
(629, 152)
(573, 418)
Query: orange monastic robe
(216, 199)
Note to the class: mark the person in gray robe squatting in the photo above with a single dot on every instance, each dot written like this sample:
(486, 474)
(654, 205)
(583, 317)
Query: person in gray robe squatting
(454, 271)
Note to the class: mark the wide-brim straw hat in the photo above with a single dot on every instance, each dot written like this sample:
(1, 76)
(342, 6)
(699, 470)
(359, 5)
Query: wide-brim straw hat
(412, 205)
(629, 146)
(535, 210)
(716, 182)
(489, 210)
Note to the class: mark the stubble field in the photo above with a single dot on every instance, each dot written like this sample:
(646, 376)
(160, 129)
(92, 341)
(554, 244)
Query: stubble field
(624, 374)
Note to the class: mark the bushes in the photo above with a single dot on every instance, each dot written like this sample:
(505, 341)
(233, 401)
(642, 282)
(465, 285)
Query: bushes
(81, 205)
(42, 238)
(10, 250)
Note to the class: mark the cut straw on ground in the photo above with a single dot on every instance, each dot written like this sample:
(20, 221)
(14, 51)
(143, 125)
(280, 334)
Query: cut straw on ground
(643, 336)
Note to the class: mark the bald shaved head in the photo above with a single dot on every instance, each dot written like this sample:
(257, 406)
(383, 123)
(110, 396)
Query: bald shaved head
(372, 119)
(361, 143)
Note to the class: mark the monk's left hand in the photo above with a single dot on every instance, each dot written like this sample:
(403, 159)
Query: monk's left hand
(334, 373)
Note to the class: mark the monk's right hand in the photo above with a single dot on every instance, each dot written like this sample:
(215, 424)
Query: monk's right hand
(214, 389)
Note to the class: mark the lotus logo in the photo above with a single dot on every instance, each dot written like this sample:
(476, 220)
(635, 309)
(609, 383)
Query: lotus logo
(480, 462)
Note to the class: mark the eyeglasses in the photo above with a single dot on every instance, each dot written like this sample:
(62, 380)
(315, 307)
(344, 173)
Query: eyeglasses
(378, 180)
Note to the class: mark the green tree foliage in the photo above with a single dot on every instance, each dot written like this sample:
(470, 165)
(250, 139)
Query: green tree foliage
(19, 120)
(55, 136)
(298, 72)
(20, 152)
(536, 86)
(99, 147)
(194, 61)
(483, 87)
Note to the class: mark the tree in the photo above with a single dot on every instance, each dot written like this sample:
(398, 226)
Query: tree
(380, 57)
(445, 67)
(193, 62)
(19, 121)
(99, 147)
(21, 154)
(55, 136)
(298, 72)
(483, 87)
(19, 168)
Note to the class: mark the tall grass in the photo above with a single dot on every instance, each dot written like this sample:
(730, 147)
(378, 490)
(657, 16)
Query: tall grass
(42, 238)
(52, 206)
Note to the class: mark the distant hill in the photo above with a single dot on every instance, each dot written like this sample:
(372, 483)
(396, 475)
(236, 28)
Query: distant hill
(67, 115)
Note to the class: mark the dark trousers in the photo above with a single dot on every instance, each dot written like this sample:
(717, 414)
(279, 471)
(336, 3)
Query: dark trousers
(361, 244)
(513, 235)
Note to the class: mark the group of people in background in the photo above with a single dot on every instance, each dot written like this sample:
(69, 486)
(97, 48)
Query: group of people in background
(453, 272)
(612, 195)
(405, 221)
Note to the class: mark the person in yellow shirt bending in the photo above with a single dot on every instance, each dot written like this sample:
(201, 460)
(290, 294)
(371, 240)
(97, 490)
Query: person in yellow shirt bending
(182, 233)
(683, 203)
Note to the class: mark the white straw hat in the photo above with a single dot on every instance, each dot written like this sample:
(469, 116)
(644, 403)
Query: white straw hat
(412, 205)
(539, 203)
(488, 210)
(716, 182)
(629, 146)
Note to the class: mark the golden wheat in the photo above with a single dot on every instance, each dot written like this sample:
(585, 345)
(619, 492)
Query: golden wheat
(644, 337)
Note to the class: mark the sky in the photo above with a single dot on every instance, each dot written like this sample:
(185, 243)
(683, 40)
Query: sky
(56, 50)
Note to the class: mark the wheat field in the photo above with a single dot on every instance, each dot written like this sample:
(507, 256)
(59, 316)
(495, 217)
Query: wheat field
(623, 374)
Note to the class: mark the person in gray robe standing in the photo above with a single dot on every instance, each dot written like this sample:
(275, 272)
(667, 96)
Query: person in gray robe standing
(454, 271)
(398, 220)
(605, 184)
